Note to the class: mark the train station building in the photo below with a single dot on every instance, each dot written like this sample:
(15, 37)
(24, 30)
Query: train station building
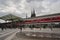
(52, 20)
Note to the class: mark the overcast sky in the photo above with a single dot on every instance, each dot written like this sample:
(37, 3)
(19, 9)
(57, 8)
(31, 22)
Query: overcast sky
(21, 7)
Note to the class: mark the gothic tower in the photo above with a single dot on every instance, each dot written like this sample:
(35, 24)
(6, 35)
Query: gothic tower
(33, 13)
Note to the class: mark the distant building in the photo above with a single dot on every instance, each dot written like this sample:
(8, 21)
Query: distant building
(51, 20)
(33, 13)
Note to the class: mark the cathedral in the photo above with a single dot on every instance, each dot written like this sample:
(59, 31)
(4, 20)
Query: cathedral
(33, 13)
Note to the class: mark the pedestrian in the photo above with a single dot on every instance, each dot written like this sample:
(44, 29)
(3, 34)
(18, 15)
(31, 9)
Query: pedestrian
(20, 28)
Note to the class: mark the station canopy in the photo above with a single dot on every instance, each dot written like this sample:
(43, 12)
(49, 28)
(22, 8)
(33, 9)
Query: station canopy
(10, 17)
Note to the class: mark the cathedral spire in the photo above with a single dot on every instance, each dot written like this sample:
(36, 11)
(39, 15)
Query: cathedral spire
(33, 13)
(26, 16)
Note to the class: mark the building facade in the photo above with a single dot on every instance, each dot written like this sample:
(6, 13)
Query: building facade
(52, 20)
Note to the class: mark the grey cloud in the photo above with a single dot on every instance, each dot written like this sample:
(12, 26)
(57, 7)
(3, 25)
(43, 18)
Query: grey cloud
(33, 0)
(20, 7)
(2, 14)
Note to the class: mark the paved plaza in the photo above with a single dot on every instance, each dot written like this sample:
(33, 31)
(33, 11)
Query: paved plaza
(36, 34)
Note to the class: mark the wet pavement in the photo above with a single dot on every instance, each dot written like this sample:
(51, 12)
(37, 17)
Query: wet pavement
(23, 36)
(6, 33)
